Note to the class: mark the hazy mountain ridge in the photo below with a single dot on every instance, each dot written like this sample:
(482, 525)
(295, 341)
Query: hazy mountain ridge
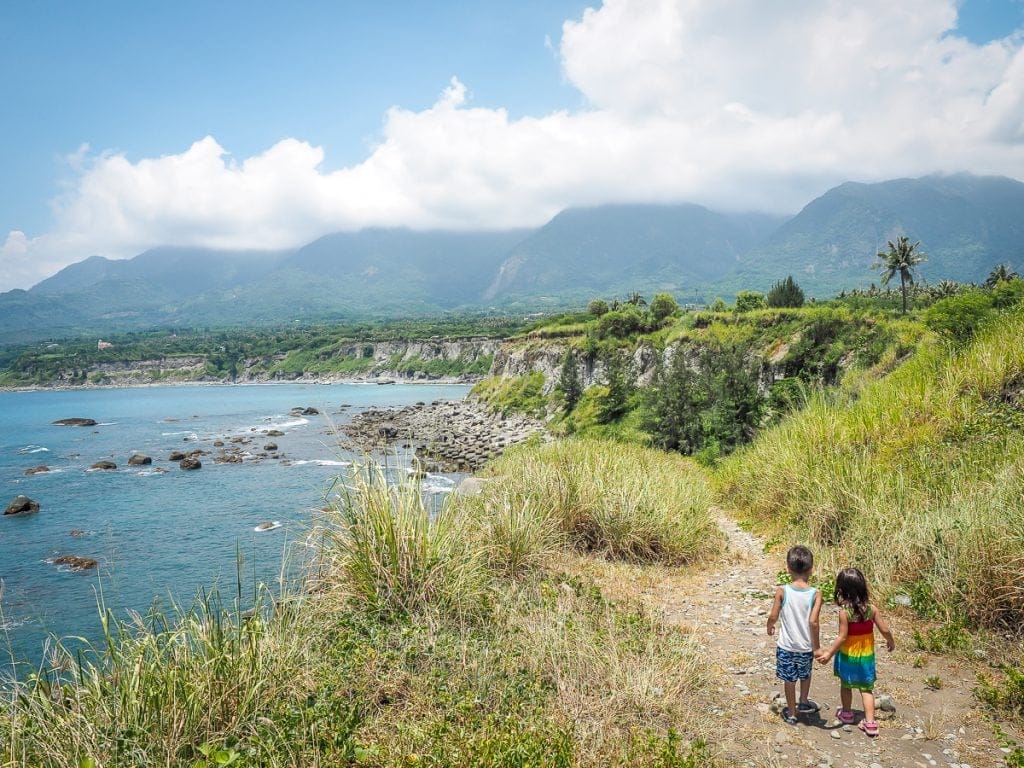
(966, 225)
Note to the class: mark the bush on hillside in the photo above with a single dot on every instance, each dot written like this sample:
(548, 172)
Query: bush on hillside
(959, 317)
(748, 301)
(785, 293)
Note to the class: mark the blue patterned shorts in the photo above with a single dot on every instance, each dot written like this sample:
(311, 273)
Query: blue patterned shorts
(791, 666)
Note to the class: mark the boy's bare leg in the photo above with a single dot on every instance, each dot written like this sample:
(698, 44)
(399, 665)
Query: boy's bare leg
(790, 697)
(805, 689)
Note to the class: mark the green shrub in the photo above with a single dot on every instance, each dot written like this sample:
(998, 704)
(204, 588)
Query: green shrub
(959, 317)
(785, 293)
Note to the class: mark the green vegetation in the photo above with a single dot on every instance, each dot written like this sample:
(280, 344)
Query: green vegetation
(523, 394)
(273, 353)
(785, 293)
(927, 459)
(901, 259)
(466, 638)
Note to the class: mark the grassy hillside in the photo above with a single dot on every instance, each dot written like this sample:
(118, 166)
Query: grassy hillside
(917, 477)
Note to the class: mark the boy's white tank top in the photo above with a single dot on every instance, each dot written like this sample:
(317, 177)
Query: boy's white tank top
(795, 619)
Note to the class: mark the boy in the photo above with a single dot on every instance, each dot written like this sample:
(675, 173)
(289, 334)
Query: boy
(798, 605)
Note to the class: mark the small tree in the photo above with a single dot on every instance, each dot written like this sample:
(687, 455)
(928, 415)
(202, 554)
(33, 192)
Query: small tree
(615, 403)
(663, 306)
(569, 381)
(785, 293)
(901, 259)
(747, 301)
(597, 307)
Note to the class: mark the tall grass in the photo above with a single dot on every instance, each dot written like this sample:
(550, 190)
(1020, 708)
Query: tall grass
(917, 478)
(158, 690)
(617, 500)
(393, 556)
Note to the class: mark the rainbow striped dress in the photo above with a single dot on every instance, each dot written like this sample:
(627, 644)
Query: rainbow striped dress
(855, 660)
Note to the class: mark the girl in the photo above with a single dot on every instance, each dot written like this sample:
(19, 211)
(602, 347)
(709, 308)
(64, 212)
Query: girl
(854, 649)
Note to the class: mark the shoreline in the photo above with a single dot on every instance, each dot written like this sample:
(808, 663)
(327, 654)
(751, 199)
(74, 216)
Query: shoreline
(377, 381)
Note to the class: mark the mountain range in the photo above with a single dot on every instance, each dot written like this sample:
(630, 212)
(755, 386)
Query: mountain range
(966, 225)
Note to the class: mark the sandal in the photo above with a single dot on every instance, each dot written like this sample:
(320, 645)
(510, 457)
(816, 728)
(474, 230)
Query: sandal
(789, 718)
(807, 707)
(869, 727)
(846, 717)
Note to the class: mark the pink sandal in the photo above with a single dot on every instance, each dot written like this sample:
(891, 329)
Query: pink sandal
(845, 716)
(869, 727)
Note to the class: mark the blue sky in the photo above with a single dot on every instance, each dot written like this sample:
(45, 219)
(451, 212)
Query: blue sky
(247, 124)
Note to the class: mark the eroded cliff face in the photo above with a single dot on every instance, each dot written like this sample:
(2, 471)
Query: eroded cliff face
(422, 360)
(518, 358)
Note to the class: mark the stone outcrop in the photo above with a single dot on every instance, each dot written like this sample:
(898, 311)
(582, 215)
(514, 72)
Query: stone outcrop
(37, 470)
(104, 465)
(139, 460)
(190, 462)
(176, 456)
(22, 505)
(76, 562)
(74, 422)
(446, 436)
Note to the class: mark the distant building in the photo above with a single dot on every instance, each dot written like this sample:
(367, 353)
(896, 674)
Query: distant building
(101, 344)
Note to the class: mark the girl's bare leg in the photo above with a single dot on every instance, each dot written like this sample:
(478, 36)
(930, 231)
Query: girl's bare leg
(869, 705)
(846, 698)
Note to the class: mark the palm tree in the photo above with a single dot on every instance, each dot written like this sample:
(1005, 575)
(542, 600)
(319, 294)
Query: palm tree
(901, 258)
(1001, 273)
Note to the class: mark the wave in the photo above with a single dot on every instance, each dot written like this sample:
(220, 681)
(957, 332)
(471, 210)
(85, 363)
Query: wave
(436, 488)
(270, 525)
(187, 432)
(33, 449)
(106, 423)
(322, 463)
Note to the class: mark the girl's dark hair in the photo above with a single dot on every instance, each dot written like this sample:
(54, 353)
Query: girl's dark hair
(852, 591)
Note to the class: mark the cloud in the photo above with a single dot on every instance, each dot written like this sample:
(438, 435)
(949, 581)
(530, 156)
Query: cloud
(741, 105)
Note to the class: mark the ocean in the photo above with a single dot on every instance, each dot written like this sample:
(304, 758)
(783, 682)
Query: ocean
(162, 536)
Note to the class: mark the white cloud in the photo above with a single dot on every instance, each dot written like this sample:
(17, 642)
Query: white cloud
(738, 104)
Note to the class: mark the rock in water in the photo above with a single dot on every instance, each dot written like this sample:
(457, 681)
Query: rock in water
(270, 447)
(37, 470)
(75, 562)
(74, 422)
(176, 456)
(22, 505)
(190, 462)
(139, 459)
(105, 465)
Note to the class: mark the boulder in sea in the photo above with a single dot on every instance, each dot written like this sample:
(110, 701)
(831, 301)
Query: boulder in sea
(176, 456)
(139, 459)
(190, 462)
(77, 533)
(105, 465)
(75, 562)
(274, 433)
(75, 422)
(218, 443)
(270, 447)
(37, 470)
(267, 525)
(310, 411)
(22, 505)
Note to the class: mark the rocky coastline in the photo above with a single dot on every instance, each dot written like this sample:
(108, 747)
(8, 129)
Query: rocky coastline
(445, 435)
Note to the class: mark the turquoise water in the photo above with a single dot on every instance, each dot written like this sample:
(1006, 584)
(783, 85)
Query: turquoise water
(163, 536)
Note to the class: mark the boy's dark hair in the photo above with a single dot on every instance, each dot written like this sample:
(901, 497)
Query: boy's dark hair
(800, 560)
(852, 591)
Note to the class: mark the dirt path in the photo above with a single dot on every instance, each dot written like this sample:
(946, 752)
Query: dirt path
(727, 609)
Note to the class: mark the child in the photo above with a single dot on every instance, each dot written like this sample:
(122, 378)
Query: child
(854, 649)
(798, 604)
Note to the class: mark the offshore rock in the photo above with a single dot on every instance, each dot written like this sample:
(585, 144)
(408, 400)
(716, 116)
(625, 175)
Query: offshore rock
(139, 460)
(190, 462)
(22, 505)
(37, 470)
(74, 422)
